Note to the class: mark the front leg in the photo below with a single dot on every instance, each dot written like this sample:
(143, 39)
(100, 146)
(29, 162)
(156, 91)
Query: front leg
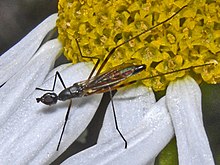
(54, 83)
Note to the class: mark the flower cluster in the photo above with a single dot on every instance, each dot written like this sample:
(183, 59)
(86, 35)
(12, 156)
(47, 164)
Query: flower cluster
(144, 122)
(191, 38)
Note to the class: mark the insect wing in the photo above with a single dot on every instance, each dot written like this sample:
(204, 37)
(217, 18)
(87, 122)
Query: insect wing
(105, 81)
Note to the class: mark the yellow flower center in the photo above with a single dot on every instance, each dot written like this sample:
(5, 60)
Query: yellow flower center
(191, 38)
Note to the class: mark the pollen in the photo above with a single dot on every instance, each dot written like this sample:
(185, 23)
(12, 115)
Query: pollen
(189, 39)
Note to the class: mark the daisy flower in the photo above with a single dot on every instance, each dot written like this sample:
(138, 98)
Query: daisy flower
(30, 131)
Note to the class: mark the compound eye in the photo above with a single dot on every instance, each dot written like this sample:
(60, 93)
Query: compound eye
(48, 98)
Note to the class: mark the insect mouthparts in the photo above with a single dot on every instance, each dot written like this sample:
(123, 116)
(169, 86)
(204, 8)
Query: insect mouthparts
(38, 100)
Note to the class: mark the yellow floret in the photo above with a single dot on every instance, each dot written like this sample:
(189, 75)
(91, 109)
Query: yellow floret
(191, 38)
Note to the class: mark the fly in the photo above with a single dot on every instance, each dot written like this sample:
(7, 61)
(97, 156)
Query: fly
(102, 82)
(105, 82)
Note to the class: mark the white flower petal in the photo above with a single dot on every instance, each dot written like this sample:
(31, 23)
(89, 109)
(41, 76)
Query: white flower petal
(27, 79)
(16, 57)
(31, 134)
(184, 102)
(145, 140)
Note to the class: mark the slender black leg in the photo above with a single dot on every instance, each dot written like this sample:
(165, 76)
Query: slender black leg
(96, 64)
(132, 38)
(123, 43)
(115, 119)
(64, 125)
(159, 75)
(54, 83)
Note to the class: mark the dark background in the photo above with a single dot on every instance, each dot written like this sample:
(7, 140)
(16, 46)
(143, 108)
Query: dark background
(17, 18)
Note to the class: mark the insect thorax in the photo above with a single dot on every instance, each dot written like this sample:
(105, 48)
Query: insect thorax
(76, 90)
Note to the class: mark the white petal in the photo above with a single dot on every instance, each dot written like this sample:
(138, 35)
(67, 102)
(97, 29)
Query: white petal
(31, 134)
(145, 140)
(27, 79)
(16, 57)
(184, 102)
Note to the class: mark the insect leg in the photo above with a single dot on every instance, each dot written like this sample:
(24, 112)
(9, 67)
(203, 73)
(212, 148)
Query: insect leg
(54, 83)
(159, 75)
(96, 64)
(115, 118)
(126, 41)
(64, 125)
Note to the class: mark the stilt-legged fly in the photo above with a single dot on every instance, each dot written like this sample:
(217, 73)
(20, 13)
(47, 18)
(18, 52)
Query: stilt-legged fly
(102, 82)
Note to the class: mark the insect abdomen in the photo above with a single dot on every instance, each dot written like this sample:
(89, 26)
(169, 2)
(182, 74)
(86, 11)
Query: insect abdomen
(132, 70)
